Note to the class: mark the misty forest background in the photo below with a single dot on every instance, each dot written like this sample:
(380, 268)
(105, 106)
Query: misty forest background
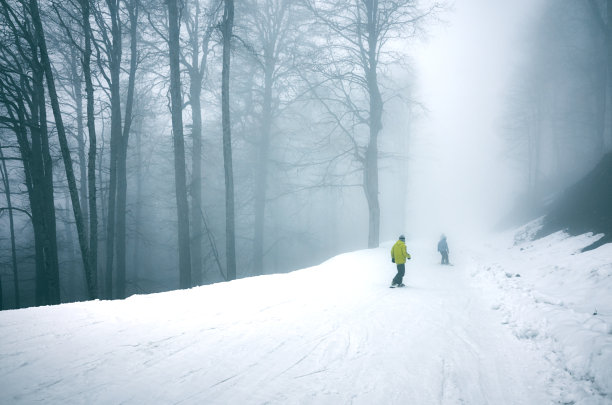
(149, 145)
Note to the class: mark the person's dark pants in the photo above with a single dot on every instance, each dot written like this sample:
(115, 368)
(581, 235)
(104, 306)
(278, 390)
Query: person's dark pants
(444, 257)
(401, 270)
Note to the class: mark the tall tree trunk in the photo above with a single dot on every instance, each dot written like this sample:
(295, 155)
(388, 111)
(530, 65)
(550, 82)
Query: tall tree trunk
(136, 257)
(115, 146)
(34, 177)
(36, 167)
(61, 132)
(68, 264)
(376, 108)
(122, 155)
(32, 180)
(9, 205)
(195, 92)
(115, 143)
(371, 190)
(230, 239)
(179, 147)
(608, 83)
(47, 280)
(91, 276)
(120, 217)
(50, 220)
(196, 185)
(78, 98)
(261, 182)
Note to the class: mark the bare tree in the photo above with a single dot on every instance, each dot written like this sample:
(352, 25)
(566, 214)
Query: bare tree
(92, 279)
(276, 47)
(230, 237)
(77, 31)
(66, 156)
(27, 33)
(110, 41)
(199, 25)
(351, 60)
(133, 10)
(23, 97)
(179, 146)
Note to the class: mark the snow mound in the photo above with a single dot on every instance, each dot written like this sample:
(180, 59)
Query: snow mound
(561, 302)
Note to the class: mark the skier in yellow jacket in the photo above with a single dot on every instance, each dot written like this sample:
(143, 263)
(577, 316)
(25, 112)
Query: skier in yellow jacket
(399, 257)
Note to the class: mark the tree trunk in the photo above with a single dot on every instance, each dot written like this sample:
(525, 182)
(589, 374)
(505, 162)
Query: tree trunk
(68, 262)
(91, 276)
(7, 193)
(78, 98)
(371, 190)
(32, 180)
(376, 108)
(115, 55)
(179, 147)
(46, 64)
(196, 185)
(16, 95)
(608, 83)
(230, 240)
(49, 215)
(136, 257)
(195, 92)
(43, 208)
(261, 181)
(122, 155)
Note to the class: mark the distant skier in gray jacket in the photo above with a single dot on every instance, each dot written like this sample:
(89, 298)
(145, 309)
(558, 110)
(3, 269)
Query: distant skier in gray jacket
(443, 249)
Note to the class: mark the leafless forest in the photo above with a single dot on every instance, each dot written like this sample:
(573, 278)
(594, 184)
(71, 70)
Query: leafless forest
(149, 145)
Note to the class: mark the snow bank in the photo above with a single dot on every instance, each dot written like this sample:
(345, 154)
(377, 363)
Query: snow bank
(513, 322)
(561, 299)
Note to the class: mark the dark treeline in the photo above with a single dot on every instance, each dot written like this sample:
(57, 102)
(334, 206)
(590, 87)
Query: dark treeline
(559, 113)
(147, 145)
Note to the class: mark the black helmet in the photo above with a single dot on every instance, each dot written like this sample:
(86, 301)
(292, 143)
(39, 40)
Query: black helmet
(402, 237)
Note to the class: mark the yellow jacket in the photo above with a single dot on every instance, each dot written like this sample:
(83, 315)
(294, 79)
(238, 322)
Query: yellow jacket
(398, 252)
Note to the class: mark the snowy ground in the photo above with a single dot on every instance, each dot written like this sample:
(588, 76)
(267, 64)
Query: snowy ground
(472, 333)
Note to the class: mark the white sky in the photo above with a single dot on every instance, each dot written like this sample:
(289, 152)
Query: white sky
(460, 180)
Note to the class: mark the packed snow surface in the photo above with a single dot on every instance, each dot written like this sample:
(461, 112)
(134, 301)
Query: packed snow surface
(512, 322)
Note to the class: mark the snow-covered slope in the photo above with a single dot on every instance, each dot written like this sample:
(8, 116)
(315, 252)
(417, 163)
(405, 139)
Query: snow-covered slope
(560, 299)
(471, 333)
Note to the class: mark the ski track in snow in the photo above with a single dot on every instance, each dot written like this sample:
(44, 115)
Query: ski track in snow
(331, 334)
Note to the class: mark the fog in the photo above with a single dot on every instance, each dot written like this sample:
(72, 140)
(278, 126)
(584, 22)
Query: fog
(461, 183)
(211, 148)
